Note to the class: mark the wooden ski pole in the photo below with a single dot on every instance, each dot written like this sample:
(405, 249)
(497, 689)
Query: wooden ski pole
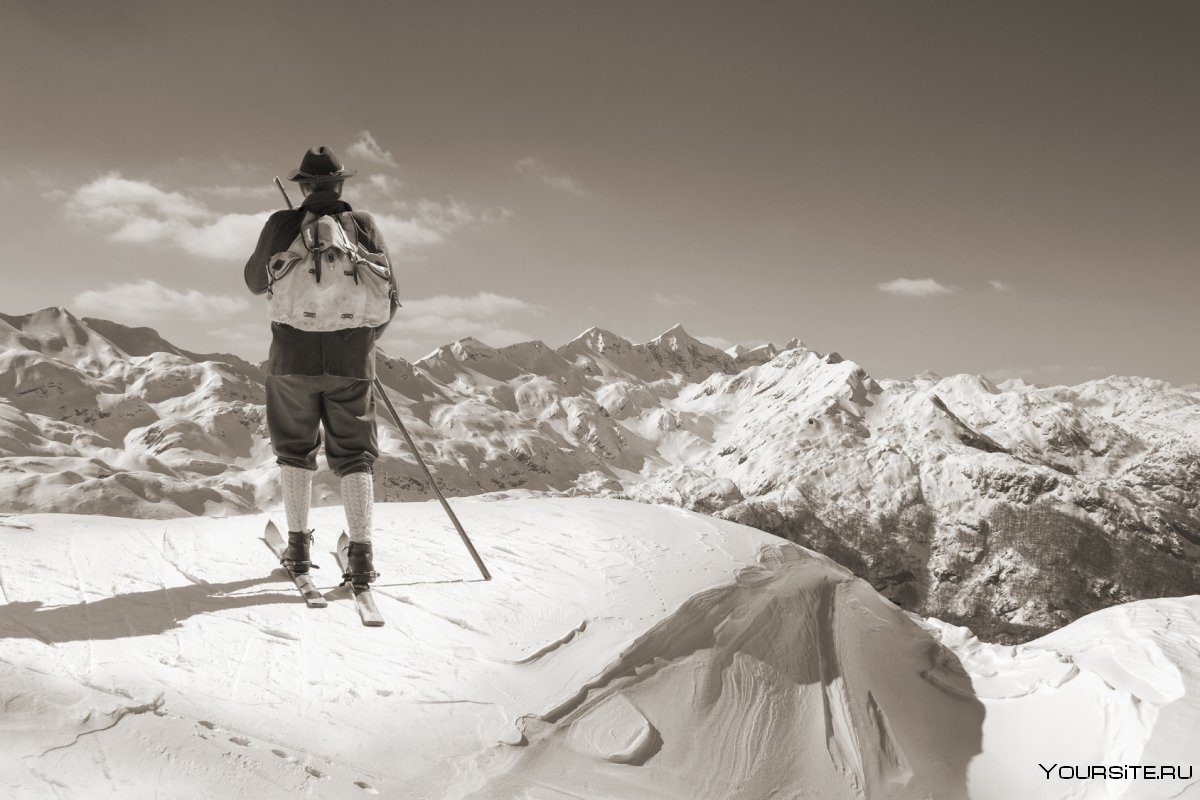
(283, 192)
(487, 576)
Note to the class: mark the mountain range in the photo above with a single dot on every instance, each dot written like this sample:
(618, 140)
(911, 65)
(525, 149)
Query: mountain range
(1008, 508)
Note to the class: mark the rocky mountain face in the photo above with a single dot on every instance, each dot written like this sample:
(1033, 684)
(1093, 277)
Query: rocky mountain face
(1012, 509)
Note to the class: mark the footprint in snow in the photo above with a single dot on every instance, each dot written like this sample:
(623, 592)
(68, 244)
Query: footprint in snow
(286, 756)
(366, 787)
(212, 726)
(240, 740)
(316, 773)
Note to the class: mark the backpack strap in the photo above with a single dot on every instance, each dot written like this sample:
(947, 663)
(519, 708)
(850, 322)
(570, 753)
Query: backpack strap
(350, 226)
(309, 240)
(310, 228)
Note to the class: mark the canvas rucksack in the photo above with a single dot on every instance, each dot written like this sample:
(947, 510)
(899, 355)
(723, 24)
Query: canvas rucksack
(326, 280)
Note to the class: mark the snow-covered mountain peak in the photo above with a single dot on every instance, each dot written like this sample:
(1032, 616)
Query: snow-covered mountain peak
(794, 344)
(468, 354)
(52, 319)
(58, 334)
(538, 358)
(676, 351)
(598, 341)
(744, 356)
(675, 336)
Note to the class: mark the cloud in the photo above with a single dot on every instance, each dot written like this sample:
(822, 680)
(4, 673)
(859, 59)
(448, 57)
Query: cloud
(909, 287)
(139, 212)
(366, 148)
(241, 192)
(481, 305)
(551, 177)
(113, 199)
(673, 300)
(384, 184)
(227, 236)
(1001, 286)
(148, 301)
(400, 233)
(427, 222)
(426, 323)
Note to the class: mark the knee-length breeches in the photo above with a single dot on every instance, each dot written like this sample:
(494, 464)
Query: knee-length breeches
(299, 406)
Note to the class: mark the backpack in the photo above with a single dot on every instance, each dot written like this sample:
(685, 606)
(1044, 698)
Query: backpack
(327, 281)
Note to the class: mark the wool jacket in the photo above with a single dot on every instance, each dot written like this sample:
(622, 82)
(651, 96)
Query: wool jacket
(348, 353)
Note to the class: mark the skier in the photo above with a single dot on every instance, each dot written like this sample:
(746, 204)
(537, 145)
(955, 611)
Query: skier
(322, 361)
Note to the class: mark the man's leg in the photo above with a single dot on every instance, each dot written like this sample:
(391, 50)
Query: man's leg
(293, 420)
(358, 498)
(351, 446)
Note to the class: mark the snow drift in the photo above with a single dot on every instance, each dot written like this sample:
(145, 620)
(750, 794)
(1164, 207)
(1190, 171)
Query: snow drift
(622, 650)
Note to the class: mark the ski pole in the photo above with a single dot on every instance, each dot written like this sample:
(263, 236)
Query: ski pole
(283, 191)
(432, 483)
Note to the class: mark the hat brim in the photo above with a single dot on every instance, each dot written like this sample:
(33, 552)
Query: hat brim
(300, 175)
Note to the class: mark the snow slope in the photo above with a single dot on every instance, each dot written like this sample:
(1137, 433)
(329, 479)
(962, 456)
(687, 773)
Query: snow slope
(622, 650)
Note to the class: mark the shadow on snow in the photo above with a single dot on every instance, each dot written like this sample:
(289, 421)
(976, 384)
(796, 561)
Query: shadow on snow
(134, 614)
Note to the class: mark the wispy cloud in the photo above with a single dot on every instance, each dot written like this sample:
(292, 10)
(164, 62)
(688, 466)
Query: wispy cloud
(1001, 286)
(148, 301)
(551, 177)
(241, 192)
(366, 148)
(384, 184)
(673, 300)
(914, 287)
(404, 233)
(140, 212)
(427, 222)
(479, 306)
(426, 323)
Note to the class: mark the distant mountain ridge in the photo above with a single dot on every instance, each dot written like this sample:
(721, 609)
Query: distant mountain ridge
(1008, 508)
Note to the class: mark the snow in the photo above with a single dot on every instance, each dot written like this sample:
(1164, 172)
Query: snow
(621, 650)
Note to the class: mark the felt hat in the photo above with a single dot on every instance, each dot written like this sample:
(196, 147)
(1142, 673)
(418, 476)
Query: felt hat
(319, 165)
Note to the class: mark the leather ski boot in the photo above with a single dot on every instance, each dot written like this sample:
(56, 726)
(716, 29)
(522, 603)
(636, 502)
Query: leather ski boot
(360, 569)
(296, 556)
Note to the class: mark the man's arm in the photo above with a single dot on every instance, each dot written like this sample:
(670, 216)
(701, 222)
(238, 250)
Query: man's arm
(268, 245)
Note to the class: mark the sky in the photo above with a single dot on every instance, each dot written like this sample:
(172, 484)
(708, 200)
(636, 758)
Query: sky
(1003, 188)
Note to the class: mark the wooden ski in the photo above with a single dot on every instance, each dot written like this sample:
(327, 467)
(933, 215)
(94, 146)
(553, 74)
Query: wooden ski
(304, 582)
(367, 610)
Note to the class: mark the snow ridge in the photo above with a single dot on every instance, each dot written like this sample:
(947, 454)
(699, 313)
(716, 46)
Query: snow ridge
(940, 491)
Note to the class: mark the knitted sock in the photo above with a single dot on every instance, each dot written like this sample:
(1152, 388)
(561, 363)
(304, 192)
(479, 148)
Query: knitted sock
(297, 494)
(358, 495)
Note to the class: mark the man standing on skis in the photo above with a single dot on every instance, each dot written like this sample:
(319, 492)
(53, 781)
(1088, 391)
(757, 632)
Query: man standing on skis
(321, 265)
